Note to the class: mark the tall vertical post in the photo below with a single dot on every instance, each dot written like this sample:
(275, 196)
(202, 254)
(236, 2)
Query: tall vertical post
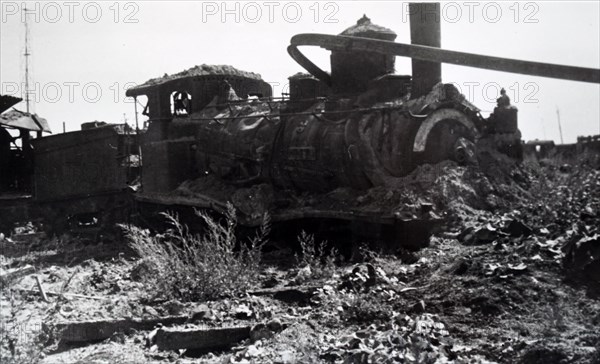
(559, 126)
(137, 140)
(26, 54)
(137, 127)
(425, 29)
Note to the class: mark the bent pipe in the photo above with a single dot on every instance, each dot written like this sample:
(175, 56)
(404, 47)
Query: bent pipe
(425, 53)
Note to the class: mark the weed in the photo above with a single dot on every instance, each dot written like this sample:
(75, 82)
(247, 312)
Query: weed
(316, 256)
(361, 308)
(190, 266)
(21, 339)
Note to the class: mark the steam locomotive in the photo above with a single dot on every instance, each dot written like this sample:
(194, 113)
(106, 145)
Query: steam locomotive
(217, 136)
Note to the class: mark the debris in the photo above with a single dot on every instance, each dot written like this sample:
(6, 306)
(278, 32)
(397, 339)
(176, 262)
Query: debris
(205, 339)
(260, 331)
(303, 275)
(174, 307)
(67, 282)
(201, 312)
(16, 273)
(517, 268)
(41, 289)
(252, 351)
(362, 276)
(275, 325)
(582, 260)
(299, 294)
(517, 228)
(483, 235)
(418, 307)
(243, 312)
(51, 293)
(151, 311)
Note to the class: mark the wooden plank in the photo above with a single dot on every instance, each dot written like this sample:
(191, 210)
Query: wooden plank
(290, 294)
(15, 274)
(41, 289)
(90, 331)
(208, 338)
(74, 295)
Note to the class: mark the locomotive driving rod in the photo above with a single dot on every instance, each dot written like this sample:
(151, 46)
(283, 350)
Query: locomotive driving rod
(433, 54)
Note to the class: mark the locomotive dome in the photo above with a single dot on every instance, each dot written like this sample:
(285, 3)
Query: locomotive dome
(365, 29)
(352, 70)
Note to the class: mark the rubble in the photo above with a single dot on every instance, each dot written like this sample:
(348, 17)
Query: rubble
(6, 277)
(509, 282)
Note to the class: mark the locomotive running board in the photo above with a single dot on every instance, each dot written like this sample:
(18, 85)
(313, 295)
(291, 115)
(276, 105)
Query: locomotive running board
(374, 217)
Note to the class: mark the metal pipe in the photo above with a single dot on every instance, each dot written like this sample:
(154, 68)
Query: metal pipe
(425, 29)
(425, 53)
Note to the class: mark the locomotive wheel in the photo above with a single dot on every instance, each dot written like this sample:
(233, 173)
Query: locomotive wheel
(450, 140)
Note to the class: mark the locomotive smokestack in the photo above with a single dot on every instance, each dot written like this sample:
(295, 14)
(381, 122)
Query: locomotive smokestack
(425, 30)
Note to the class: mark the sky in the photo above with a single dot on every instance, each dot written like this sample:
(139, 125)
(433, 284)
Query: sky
(84, 55)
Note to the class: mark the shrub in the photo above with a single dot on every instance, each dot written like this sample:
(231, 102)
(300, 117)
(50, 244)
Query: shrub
(187, 266)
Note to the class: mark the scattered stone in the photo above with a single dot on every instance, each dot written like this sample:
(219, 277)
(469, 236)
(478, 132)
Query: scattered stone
(517, 228)
(243, 312)
(201, 312)
(275, 325)
(259, 332)
(483, 235)
(174, 307)
(151, 311)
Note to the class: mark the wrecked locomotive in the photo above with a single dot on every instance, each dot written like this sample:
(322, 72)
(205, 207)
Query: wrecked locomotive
(217, 136)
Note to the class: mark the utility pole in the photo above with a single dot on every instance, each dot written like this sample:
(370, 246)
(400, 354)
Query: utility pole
(26, 54)
(559, 127)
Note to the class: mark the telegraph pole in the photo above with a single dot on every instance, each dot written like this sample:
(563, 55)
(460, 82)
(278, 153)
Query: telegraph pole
(26, 54)
(559, 127)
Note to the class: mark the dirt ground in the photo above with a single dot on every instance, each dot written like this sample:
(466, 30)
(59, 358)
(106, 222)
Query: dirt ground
(512, 277)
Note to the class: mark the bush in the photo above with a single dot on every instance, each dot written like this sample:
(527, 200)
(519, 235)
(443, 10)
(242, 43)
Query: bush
(179, 264)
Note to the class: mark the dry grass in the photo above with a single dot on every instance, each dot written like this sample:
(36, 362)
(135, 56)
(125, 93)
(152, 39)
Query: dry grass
(189, 266)
(22, 339)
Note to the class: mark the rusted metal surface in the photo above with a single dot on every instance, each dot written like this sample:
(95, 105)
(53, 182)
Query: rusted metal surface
(82, 178)
(82, 163)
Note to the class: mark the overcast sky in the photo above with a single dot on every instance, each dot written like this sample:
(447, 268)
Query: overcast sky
(85, 54)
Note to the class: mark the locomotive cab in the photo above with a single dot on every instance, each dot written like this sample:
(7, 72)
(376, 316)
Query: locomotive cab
(174, 102)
